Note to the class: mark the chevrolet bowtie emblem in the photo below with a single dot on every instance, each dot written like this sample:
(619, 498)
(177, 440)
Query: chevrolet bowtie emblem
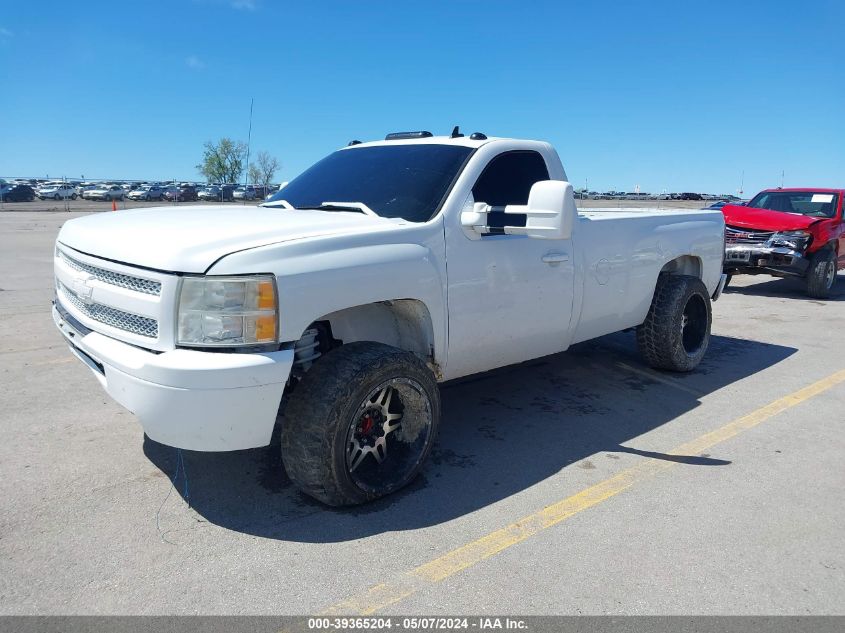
(83, 289)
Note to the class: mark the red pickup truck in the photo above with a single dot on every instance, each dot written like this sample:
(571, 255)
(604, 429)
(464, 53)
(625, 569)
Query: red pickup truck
(788, 233)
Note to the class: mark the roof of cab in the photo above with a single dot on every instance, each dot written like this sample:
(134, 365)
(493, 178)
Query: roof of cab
(463, 141)
(807, 189)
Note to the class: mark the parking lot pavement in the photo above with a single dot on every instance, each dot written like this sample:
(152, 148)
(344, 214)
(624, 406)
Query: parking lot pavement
(92, 206)
(581, 483)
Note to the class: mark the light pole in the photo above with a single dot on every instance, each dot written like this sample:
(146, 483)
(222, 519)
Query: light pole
(248, 141)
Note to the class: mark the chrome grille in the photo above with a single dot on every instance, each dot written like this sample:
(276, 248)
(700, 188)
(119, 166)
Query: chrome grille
(739, 235)
(137, 284)
(126, 321)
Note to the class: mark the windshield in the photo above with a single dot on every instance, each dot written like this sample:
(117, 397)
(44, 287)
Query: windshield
(395, 181)
(819, 204)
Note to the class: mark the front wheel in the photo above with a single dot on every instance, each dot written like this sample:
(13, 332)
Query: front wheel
(676, 331)
(821, 275)
(360, 424)
(57, 197)
(73, 196)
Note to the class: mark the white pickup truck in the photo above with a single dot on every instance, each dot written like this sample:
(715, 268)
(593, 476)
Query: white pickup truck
(339, 304)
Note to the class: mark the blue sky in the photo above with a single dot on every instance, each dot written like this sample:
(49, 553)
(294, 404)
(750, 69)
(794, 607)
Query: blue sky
(677, 95)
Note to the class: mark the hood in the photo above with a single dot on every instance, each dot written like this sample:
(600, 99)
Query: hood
(190, 240)
(764, 219)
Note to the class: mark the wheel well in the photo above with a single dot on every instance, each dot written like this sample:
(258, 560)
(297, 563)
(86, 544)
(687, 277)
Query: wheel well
(832, 245)
(683, 265)
(402, 323)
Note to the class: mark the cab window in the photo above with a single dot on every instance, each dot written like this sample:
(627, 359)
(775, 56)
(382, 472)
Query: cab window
(508, 179)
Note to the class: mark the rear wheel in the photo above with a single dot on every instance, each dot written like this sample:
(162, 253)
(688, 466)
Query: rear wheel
(676, 331)
(821, 275)
(360, 424)
(56, 197)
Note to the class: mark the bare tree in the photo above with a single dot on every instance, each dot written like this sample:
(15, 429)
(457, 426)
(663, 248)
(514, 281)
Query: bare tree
(261, 172)
(223, 161)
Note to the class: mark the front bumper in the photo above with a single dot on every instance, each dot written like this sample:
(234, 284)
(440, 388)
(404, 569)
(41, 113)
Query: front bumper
(776, 260)
(202, 401)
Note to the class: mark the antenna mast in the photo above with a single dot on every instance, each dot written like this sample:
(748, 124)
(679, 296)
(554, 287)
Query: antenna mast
(248, 141)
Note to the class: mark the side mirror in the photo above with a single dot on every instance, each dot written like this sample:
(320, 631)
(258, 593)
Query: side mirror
(550, 213)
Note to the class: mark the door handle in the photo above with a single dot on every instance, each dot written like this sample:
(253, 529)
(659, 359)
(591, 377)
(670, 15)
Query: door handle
(555, 258)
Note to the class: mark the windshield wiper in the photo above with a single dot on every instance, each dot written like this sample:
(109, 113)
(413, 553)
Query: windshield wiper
(360, 207)
(277, 203)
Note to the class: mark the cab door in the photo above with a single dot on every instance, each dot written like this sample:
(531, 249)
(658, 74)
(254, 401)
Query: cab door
(510, 297)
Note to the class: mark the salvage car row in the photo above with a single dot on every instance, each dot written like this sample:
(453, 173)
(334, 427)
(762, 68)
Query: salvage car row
(30, 189)
(26, 191)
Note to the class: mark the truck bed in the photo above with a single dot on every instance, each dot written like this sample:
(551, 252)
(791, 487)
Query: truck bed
(621, 252)
(599, 213)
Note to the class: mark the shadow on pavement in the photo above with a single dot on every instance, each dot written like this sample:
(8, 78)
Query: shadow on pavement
(788, 287)
(501, 433)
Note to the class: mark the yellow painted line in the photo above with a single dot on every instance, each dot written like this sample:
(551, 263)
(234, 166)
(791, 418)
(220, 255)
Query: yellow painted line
(472, 553)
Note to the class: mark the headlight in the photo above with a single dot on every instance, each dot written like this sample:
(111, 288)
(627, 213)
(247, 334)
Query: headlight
(227, 311)
(796, 240)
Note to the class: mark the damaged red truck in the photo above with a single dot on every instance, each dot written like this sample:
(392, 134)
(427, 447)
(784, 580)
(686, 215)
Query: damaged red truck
(788, 233)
